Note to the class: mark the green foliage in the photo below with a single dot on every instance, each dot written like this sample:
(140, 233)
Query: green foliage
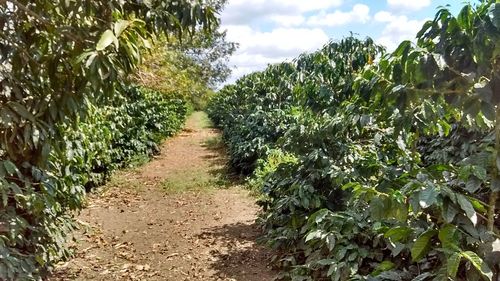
(210, 52)
(171, 71)
(144, 118)
(110, 137)
(61, 64)
(192, 65)
(115, 135)
(396, 175)
(267, 166)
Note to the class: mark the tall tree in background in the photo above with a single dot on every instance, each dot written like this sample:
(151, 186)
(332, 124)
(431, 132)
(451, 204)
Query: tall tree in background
(211, 51)
(199, 59)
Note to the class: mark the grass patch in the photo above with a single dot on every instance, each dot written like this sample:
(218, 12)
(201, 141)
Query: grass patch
(205, 122)
(138, 160)
(125, 180)
(201, 120)
(190, 181)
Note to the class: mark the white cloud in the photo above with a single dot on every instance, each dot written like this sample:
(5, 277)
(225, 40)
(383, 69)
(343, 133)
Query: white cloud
(300, 6)
(384, 16)
(246, 11)
(257, 48)
(397, 29)
(411, 5)
(287, 21)
(285, 40)
(359, 13)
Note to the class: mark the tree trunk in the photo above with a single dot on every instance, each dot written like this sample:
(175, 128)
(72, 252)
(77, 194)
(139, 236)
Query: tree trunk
(495, 180)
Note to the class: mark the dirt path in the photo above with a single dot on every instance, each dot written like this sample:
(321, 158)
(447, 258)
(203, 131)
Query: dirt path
(175, 218)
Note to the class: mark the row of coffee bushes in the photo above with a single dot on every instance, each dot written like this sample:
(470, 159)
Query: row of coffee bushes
(124, 132)
(115, 134)
(377, 169)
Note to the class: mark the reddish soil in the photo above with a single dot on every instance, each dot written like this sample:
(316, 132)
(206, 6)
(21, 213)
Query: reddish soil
(174, 218)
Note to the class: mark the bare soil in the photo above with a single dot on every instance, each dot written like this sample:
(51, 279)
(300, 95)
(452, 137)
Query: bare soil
(178, 217)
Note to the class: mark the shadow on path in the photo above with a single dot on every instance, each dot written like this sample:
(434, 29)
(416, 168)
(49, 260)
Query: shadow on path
(219, 163)
(239, 257)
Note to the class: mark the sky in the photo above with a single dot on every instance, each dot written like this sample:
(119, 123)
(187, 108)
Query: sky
(272, 31)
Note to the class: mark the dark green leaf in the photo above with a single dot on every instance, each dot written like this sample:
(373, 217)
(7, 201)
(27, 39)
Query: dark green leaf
(428, 197)
(397, 234)
(422, 245)
(467, 207)
(495, 15)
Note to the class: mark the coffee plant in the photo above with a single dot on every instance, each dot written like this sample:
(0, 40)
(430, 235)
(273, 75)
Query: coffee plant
(375, 165)
(117, 136)
(67, 114)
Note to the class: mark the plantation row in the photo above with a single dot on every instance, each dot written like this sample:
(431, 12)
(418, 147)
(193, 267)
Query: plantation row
(70, 112)
(121, 133)
(377, 166)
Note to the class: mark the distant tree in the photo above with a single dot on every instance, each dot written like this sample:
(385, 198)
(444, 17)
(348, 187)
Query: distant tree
(192, 65)
(211, 51)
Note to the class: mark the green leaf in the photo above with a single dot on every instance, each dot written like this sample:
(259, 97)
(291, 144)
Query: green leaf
(333, 268)
(479, 172)
(397, 234)
(452, 264)
(447, 237)
(427, 197)
(120, 26)
(478, 205)
(10, 168)
(46, 148)
(319, 216)
(147, 43)
(495, 15)
(488, 110)
(21, 111)
(478, 263)
(403, 48)
(5, 196)
(390, 276)
(383, 266)
(107, 38)
(422, 276)
(467, 207)
(379, 208)
(313, 235)
(91, 59)
(422, 245)
(326, 262)
(40, 260)
(473, 184)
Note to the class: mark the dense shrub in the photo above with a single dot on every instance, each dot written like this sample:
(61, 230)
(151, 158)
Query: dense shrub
(116, 135)
(107, 138)
(144, 118)
(393, 173)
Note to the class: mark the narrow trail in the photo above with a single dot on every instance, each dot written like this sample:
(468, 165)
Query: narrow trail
(175, 218)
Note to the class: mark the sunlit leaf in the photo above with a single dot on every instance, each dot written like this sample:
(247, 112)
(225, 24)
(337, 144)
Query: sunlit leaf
(107, 38)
